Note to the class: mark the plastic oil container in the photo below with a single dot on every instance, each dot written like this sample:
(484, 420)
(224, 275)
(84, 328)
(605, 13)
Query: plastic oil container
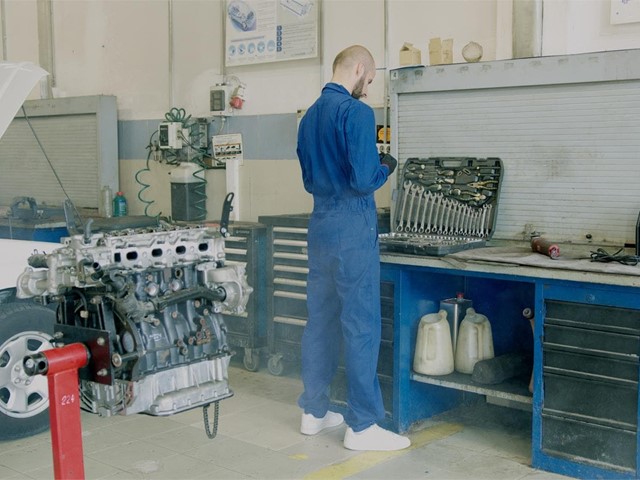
(434, 351)
(188, 193)
(475, 341)
(455, 308)
(119, 205)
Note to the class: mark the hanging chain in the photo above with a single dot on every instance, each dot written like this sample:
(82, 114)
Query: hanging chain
(207, 427)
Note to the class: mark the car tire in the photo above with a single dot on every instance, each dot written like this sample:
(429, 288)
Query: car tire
(25, 329)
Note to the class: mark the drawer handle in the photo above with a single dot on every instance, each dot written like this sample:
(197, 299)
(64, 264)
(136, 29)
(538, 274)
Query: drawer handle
(298, 296)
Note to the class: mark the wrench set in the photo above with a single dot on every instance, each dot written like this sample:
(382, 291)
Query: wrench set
(444, 204)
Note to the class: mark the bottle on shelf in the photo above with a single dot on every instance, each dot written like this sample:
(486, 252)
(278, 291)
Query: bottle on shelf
(434, 350)
(106, 202)
(475, 341)
(455, 308)
(119, 205)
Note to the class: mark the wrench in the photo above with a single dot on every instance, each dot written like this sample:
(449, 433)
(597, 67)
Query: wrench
(427, 204)
(472, 218)
(483, 218)
(413, 189)
(447, 215)
(474, 228)
(488, 219)
(452, 221)
(419, 190)
(440, 217)
(406, 186)
(456, 223)
(455, 228)
(432, 205)
(432, 210)
(465, 224)
(437, 227)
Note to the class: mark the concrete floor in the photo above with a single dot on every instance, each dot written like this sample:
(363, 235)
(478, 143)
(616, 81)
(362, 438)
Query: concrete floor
(258, 438)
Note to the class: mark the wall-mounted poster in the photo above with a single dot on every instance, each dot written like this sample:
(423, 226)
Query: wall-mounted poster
(259, 31)
(625, 11)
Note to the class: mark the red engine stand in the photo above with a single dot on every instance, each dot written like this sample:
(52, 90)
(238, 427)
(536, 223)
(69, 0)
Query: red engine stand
(61, 365)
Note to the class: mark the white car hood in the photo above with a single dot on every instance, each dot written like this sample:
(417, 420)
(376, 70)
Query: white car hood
(16, 82)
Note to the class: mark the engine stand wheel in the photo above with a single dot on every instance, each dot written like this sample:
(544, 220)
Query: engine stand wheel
(275, 365)
(251, 360)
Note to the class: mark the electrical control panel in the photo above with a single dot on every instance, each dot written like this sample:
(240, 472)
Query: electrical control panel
(170, 135)
(219, 98)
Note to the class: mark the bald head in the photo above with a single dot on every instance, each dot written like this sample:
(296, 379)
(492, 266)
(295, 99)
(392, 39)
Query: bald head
(354, 68)
(351, 56)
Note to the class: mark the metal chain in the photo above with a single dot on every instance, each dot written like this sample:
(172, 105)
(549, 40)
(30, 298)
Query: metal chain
(205, 412)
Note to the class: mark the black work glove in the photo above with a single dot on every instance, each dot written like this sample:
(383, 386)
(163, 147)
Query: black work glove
(389, 161)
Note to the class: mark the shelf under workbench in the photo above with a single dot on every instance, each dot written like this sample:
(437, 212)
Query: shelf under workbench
(514, 389)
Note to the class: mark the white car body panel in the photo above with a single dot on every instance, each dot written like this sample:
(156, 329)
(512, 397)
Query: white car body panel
(14, 255)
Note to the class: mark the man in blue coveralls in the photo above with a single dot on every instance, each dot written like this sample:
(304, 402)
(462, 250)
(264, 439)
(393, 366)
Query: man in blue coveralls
(342, 169)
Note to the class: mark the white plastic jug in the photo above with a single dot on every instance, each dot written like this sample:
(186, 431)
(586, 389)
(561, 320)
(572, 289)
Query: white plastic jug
(434, 349)
(475, 341)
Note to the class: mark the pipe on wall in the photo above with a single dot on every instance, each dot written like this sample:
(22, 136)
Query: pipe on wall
(387, 99)
(527, 28)
(170, 53)
(45, 47)
(3, 26)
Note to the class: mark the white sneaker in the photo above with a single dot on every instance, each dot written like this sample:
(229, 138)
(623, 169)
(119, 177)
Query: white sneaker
(311, 425)
(375, 438)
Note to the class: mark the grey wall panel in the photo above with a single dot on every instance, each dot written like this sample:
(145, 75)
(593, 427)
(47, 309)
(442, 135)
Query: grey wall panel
(571, 151)
(80, 138)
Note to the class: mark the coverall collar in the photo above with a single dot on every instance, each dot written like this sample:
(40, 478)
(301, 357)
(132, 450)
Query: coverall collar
(336, 87)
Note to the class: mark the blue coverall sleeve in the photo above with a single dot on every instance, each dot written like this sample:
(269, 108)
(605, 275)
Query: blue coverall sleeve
(367, 174)
(306, 173)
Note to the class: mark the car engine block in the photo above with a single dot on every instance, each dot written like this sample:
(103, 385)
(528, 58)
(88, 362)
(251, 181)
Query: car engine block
(147, 303)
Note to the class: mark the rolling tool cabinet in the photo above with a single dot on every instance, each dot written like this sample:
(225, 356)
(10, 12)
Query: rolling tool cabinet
(287, 301)
(246, 244)
(286, 288)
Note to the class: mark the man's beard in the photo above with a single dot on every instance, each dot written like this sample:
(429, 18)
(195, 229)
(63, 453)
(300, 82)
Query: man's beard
(357, 89)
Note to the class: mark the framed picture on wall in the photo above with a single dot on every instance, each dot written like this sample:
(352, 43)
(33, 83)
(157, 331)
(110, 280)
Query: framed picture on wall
(261, 31)
(625, 11)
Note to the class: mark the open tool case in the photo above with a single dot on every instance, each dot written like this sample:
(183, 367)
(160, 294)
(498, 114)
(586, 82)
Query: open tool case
(444, 205)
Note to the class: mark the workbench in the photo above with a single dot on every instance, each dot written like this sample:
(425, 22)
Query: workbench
(585, 347)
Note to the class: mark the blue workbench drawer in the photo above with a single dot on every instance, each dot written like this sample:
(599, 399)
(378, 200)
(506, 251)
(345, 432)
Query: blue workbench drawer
(593, 444)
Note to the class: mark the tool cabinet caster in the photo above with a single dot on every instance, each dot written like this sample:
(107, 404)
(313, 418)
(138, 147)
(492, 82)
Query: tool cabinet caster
(251, 360)
(275, 365)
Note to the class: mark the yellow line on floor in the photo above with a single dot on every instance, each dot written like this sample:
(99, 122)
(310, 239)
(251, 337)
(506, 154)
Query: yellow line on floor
(367, 460)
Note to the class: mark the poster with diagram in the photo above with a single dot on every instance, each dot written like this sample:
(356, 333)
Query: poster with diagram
(259, 31)
(625, 11)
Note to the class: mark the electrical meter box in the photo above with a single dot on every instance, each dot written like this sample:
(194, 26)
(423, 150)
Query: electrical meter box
(219, 98)
(169, 135)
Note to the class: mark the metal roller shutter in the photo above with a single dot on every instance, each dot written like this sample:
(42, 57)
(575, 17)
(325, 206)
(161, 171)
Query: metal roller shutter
(80, 137)
(570, 147)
